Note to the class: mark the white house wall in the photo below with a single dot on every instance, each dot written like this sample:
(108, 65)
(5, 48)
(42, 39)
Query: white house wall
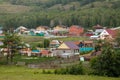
(103, 34)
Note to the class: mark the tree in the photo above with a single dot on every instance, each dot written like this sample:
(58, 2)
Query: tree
(46, 43)
(118, 38)
(108, 63)
(11, 42)
(73, 70)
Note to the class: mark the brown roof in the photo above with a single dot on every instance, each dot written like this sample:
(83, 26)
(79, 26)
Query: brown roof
(43, 27)
(55, 42)
(88, 42)
(98, 26)
(77, 42)
(45, 52)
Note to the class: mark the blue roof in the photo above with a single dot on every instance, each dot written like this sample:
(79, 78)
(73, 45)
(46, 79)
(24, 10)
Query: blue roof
(83, 49)
(35, 51)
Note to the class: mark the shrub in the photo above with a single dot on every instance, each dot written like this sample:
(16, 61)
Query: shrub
(74, 70)
(107, 64)
(85, 52)
(46, 72)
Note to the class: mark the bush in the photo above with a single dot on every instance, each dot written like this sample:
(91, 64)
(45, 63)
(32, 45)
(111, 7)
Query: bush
(107, 64)
(46, 72)
(74, 70)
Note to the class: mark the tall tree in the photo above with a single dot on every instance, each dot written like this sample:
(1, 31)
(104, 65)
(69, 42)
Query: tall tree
(11, 42)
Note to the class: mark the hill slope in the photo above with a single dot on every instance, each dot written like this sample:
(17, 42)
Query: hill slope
(38, 5)
(32, 13)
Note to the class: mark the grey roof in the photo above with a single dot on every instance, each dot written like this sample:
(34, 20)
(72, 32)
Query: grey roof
(71, 45)
(98, 30)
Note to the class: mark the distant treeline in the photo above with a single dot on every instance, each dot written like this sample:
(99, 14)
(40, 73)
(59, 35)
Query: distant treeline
(48, 3)
(85, 18)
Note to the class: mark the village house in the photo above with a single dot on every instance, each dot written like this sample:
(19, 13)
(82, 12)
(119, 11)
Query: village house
(98, 29)
(1, 43)
(76, 30)
(25, 49)
(35, 52)
(41, 31)
(54, 44)
(60, 30)
(89, 33)
(42, 28)
(46, 53)
(105, 34)
(88, 43)
(21, 30)
(108, 34)
(67, 49)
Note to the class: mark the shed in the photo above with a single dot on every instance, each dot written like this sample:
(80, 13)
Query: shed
(45, 53)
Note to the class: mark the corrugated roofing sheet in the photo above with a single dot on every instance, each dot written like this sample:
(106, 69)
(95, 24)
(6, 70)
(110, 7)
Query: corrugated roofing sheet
(71, 45)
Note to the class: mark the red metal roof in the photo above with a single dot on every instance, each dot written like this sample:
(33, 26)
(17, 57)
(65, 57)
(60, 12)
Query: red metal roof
(113, 33)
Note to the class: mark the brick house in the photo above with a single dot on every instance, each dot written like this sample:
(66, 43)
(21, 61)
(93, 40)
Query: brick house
(76, 30)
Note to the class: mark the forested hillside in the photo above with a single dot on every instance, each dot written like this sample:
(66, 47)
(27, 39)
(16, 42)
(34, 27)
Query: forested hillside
(32, 13)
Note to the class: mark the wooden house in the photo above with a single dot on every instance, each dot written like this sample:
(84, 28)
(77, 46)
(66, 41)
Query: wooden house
(67, 49)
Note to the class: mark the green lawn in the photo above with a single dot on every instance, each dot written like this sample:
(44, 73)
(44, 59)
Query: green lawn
(27, 60)
(23, 73)
(71, 39)
(29, 39)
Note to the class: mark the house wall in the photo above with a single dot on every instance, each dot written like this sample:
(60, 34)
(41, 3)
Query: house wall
(104, 34)
(40, 29)
(59, 28)
(73, 52)
(47, 55)
(63, 46)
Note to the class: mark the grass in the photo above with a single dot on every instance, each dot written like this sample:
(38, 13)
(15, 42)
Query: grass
(26, 59)
(71, 39)
(37, 39)
(23, 73)
(31, 39)
(32, 59)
